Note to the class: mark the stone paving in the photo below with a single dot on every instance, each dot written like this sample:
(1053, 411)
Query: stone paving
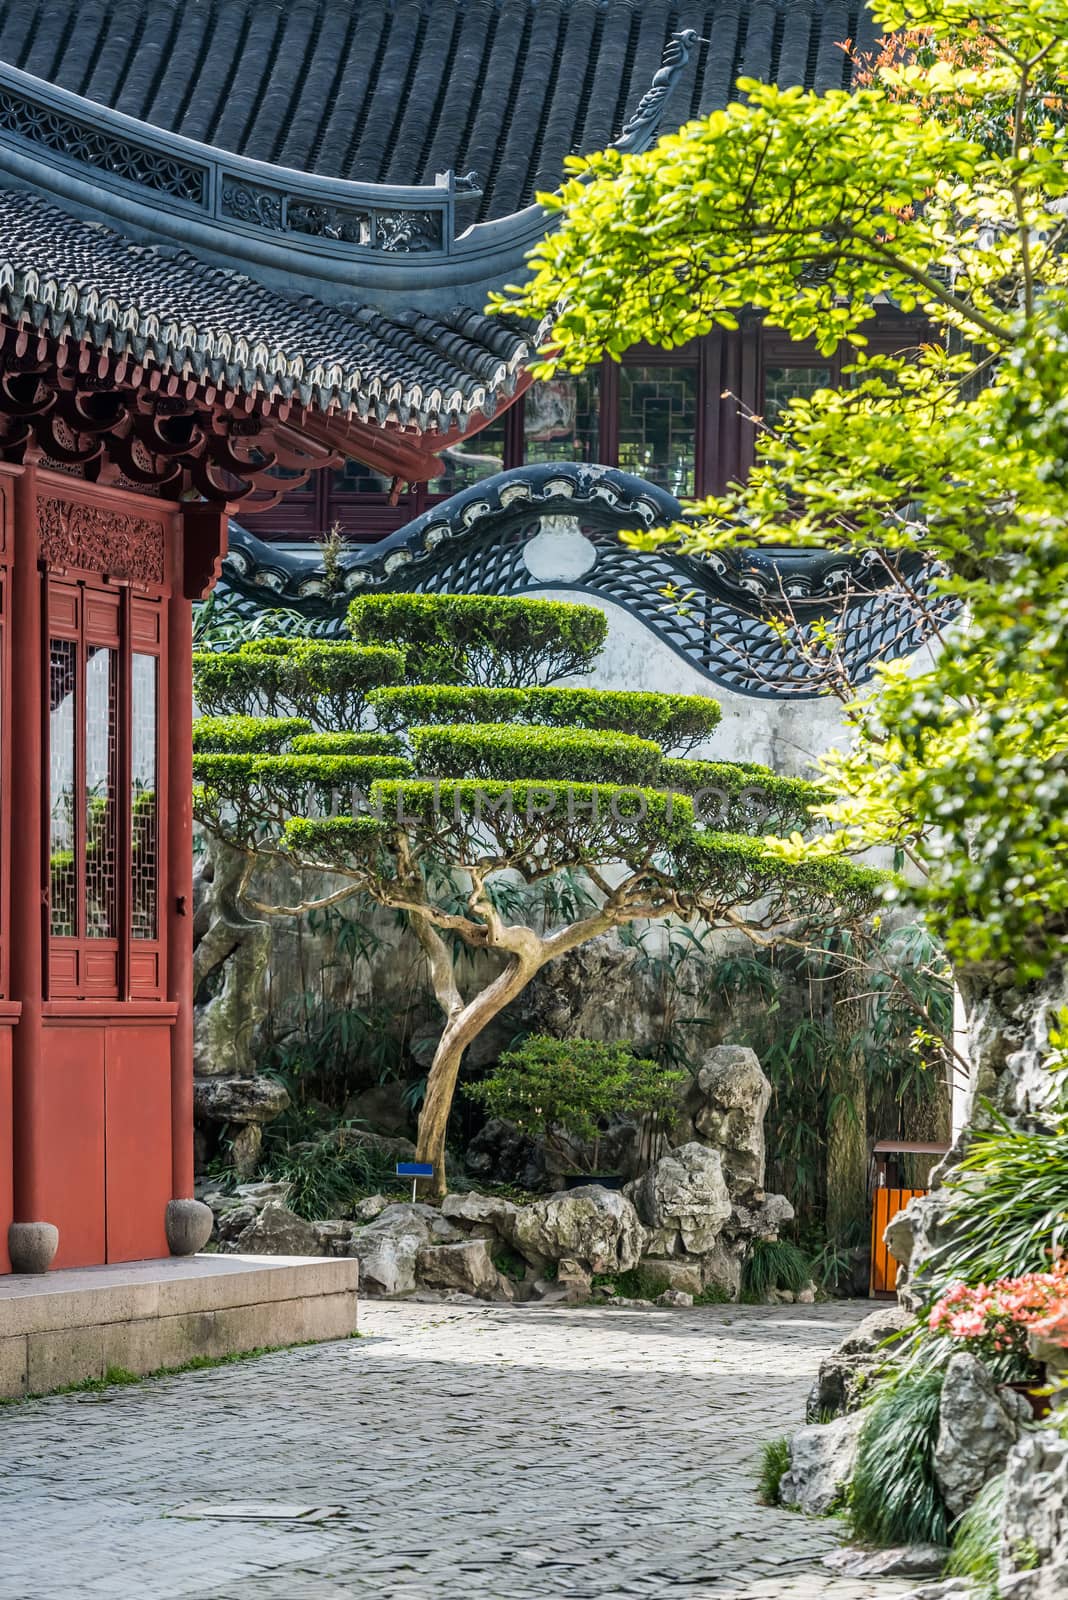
(475, 1453)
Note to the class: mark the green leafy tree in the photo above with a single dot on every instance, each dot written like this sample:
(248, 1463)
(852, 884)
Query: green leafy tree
(498, 812)
(941, 189)
(548, 1086)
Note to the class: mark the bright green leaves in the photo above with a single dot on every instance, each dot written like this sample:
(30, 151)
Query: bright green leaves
(806, 207)
(744, 797)
(675, 721)
(513, 750)
(325, 684)
(481, 639)
(241, 735)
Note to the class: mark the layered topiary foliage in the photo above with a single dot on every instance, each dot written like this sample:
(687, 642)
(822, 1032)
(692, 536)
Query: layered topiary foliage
(476, 803)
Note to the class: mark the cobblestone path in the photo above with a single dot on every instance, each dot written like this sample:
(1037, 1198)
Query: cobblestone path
(487, 1453)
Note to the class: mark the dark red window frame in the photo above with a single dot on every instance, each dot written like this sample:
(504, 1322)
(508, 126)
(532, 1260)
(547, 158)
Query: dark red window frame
(86, 615)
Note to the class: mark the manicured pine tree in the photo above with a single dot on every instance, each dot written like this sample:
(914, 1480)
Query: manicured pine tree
(435, 765)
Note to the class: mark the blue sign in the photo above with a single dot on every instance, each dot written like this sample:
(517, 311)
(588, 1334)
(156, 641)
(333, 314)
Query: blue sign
(414, 1169)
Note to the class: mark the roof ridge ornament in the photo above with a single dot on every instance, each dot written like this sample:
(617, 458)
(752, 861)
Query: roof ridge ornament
(642, 126)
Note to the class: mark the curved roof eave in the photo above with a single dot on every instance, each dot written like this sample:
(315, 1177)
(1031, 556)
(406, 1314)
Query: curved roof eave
(389, 242)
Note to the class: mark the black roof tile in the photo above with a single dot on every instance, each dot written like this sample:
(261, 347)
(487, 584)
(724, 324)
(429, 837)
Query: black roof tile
(398, 90)
(61, 275)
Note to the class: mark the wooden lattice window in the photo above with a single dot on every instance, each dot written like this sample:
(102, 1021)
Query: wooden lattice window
(104, 662)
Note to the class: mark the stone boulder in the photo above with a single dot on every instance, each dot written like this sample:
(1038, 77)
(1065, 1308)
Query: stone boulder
(239, 1099)
(334, 1236)
(388, 1248)
(726, 1104)
(721, 1269)
(975, 1432)
(901, 1561)
(597, 1228)
(682, 1201)
(1034, 1528)
(276, 1231)
(380, 1109)
(246, 1103)
(486, 1215)
(763, 1217)
(822, 1458)
(844, 1375)
(499, 1152)
(671, 1273)
(467, 1267)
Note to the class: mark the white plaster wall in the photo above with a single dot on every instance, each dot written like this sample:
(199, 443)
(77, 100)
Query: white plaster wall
(786, 735)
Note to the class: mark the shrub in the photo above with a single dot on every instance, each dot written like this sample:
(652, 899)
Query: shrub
(509, 750)
(346, 744)
(995, 1320)
(320, 682)
(672, 720)
(774, 1264)
(977, 1540)
(246, 735)
(573, 1085)
(1008, 1208)
(328, 1168)
(749, 796)
(482, 639)
(894, 1497)
(774, 1465)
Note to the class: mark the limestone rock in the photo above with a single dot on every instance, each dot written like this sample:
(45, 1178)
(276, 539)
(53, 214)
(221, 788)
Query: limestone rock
(844, 1375)
(903, 1561)
(889, 1322)
(573, 1278)
(258, 1194)
(721, 1268)
(231, 1222)
(683, 1276)
(762, 1218)
(683, 1200)
(245, 1147)
(239, 1099)
(1035, 1522)
(381, 1109)
(483, 1213)
(467, 1267)
(729, 1101)
(388, 1248)
(369, 1208)
(407, 1215)
(333, 1236)
(277, 1231)
(674, 1297)
(975, 1432)
(500, 1152)
(387, 1259)
(598, 1227)
(822, 1458)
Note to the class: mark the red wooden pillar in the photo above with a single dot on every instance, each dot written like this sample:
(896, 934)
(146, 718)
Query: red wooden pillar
(198, 546)
(28, 878)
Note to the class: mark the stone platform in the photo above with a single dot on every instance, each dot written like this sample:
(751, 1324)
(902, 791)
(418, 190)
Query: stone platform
(65, 1326)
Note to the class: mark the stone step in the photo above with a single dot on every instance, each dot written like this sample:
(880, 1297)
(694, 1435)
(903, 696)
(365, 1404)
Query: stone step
(77, 1323)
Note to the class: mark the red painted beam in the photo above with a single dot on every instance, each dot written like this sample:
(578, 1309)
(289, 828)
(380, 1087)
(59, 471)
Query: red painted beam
(29, 773)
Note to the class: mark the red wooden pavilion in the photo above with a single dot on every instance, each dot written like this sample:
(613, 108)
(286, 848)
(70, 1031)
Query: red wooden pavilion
(144, 396)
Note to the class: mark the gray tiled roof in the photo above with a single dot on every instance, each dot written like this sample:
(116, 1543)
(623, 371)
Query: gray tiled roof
(396, 90)
(60, 274)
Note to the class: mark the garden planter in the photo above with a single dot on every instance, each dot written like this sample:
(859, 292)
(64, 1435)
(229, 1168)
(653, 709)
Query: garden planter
(32, 1246)
(1031, 1391)
(607, 1180)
